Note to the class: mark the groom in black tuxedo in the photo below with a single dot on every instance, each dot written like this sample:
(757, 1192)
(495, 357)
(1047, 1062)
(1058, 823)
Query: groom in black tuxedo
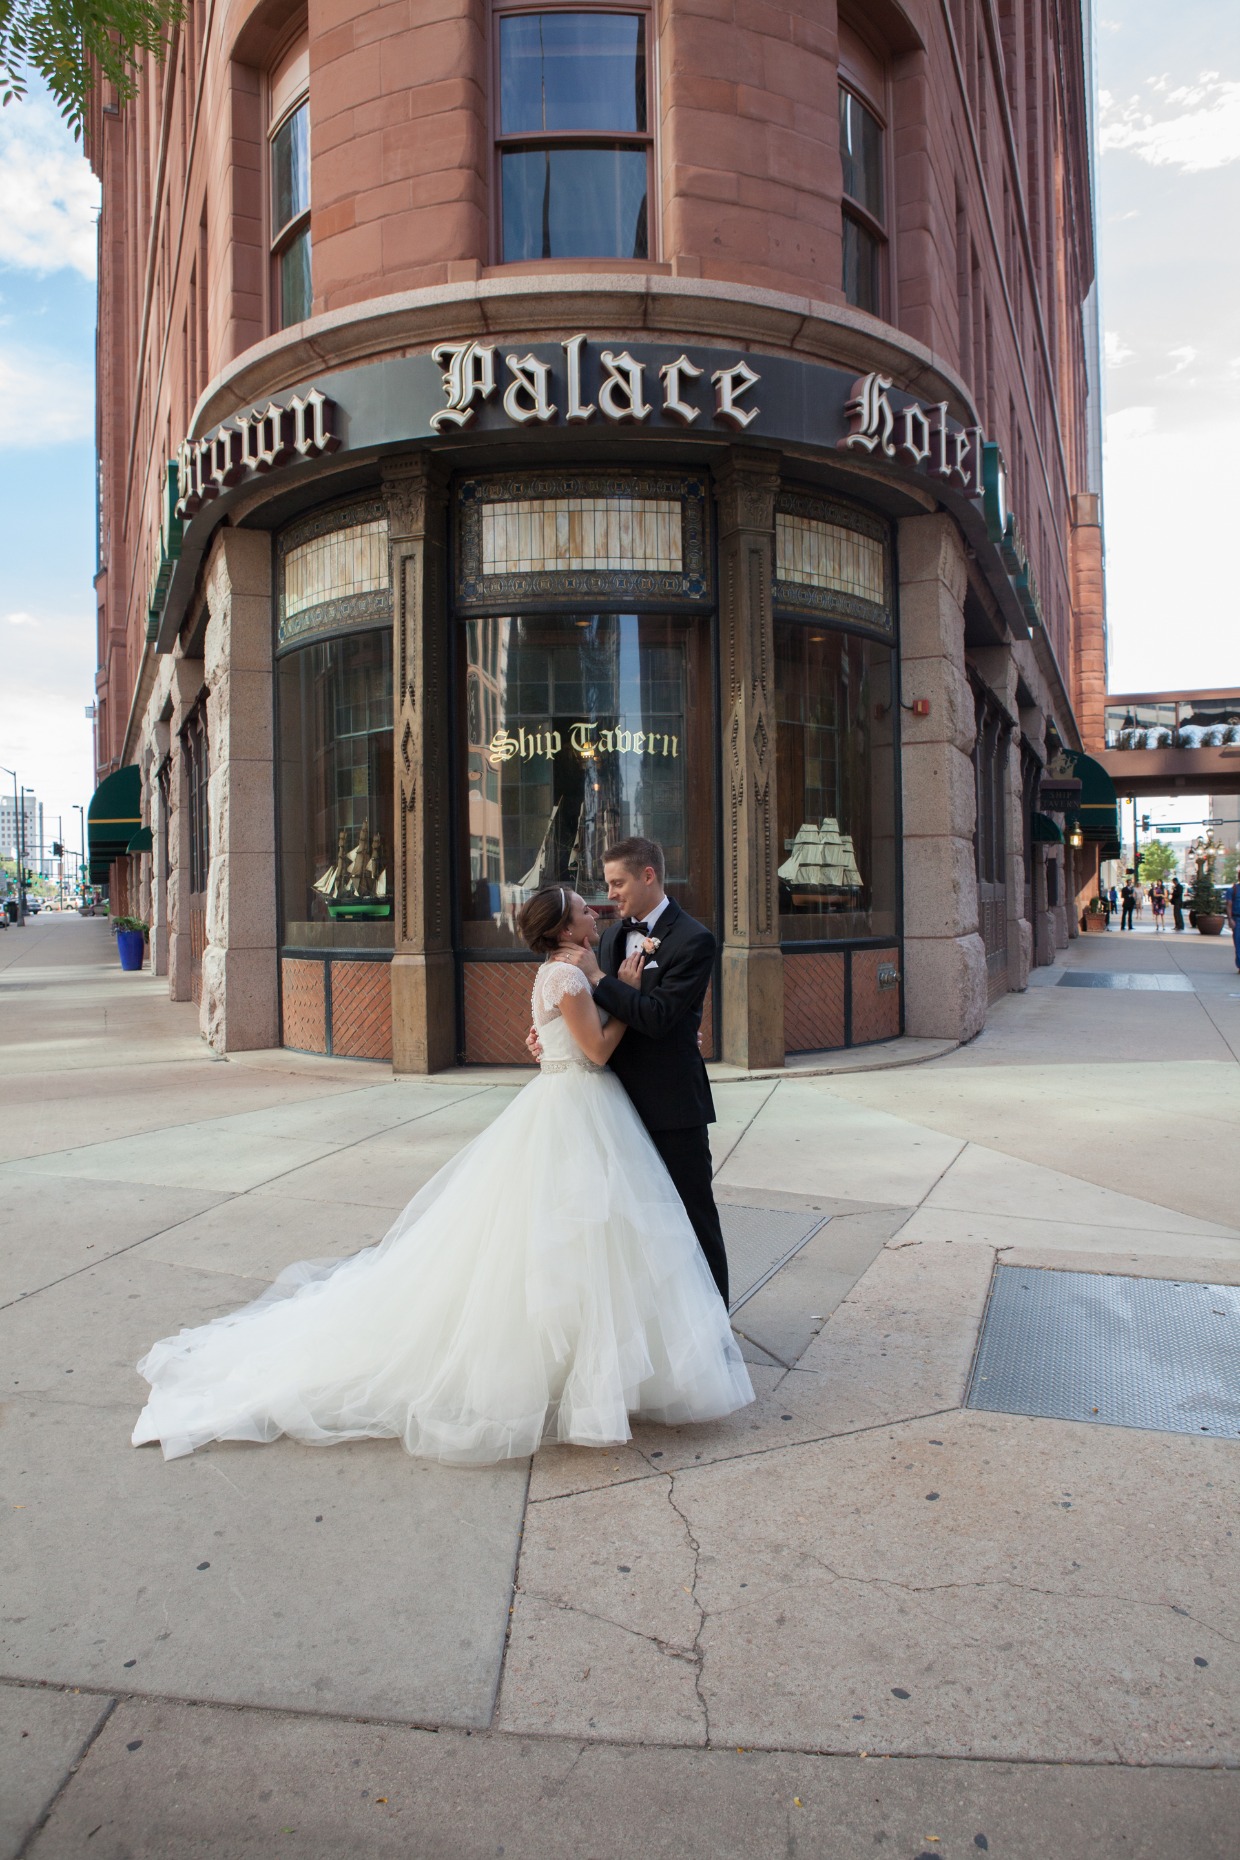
(659, 1062)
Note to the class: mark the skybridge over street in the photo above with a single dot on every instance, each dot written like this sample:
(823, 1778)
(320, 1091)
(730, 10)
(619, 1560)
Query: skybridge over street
(1173, 742)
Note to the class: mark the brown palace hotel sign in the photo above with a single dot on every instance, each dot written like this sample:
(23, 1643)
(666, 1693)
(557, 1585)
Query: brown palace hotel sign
(636, 387)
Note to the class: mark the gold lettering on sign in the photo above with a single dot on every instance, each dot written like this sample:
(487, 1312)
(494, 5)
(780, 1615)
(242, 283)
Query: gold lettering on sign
(586, 738)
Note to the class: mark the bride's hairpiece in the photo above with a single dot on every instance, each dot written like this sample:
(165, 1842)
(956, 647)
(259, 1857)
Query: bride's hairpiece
(563, 902)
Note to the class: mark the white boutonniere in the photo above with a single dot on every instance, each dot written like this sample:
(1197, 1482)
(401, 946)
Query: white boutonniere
(650, 944)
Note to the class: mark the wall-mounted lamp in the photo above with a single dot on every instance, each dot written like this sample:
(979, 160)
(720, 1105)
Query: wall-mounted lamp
(1076, 838)
(920, 707)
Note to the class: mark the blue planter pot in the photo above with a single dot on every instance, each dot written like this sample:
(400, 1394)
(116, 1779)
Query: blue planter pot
(131, 944)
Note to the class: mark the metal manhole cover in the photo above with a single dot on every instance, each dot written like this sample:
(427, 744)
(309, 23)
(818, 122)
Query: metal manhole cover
(1118, 978)
(761, 1240)
(1089, 1346)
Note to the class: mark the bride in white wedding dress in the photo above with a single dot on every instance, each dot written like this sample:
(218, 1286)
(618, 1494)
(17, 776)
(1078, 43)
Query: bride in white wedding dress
(544, 1285)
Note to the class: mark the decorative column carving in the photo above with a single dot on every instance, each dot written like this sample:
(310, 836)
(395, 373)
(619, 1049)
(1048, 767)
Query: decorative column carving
(753, 975)
(423, 996)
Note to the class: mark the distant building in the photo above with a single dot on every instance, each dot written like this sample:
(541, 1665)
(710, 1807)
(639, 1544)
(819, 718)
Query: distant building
(532, 424)
(32, 830)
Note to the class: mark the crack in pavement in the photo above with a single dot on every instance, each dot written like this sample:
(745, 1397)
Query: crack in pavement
(1022, 1588)
(698, 1651)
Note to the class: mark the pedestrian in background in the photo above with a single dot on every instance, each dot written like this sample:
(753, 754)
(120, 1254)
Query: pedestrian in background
(1128, 898)
(1139, 895)
(1177, 904)
(1158, 904)
(1112, 905)
(1233, 918)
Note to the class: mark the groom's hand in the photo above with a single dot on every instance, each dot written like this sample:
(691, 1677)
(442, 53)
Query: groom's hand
(631, 968)
(533, 1045)
(583, 959)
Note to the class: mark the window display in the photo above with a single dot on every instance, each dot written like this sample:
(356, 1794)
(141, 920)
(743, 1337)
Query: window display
(336, 792)
(836, 784)
(580, 729)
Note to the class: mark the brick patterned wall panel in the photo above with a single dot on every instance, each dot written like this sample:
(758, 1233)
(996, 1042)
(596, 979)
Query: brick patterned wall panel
(497, 1012)
(813, 1002)
(875, 1010)
(303, 997)
(361, 1010)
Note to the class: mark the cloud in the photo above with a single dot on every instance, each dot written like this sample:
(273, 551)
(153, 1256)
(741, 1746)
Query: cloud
(1183, 357)
(44, 400)
(49, 198)
(1129, 423)
(1117, 350)
(21, 620)
(1192, 126)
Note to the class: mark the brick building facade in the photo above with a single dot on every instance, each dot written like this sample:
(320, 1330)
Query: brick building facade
(521, 424)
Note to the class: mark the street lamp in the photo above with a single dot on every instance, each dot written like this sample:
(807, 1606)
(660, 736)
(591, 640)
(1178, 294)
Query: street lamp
(17, 836)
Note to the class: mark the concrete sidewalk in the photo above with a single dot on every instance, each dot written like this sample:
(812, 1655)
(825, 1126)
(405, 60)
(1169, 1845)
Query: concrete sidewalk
(858, 1617)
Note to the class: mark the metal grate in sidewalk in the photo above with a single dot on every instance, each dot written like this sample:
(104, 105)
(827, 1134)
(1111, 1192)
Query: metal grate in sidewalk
(1127, 1352)
(761, 1240)
(1120, 978)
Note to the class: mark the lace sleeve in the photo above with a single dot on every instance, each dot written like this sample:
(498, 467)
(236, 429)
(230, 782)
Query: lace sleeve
(556, 980)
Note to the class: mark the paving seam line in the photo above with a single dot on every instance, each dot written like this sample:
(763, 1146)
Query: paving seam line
(37, 1826)
(741, 1135)
(225, 1200)
(751, 1453)
(159, 1130)
(513, 1582)
(488, 1735)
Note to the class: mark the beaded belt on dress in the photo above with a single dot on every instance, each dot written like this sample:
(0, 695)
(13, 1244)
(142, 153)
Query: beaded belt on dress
(565, 1065)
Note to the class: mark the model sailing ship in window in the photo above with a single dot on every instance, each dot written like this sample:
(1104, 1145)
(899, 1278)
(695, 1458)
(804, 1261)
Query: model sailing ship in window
(821, 870)
(355, 885)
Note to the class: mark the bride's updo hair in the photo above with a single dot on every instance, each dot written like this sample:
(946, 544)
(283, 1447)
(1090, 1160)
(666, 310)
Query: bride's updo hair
(542, 917)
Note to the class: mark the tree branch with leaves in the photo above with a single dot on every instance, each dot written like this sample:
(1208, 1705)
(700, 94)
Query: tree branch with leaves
(75, 44)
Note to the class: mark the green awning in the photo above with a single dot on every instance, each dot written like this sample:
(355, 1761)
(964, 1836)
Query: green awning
(1045, 832)
(141, 841)
(113, 817)
(1096, 809)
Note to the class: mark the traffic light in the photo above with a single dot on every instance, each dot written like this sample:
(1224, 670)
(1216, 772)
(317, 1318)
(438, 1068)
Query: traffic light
(1145, 823)
(58, 851)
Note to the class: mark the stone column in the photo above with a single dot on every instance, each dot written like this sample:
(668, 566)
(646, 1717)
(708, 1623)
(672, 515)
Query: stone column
(753, 971)
(240, 991)
(998, 669)
(944, 957)
(423, 990)
(1089, 627)
(185, 686)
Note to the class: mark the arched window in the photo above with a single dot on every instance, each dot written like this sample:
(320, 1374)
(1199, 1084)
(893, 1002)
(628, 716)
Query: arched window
(863, 159)
(574, 136)
(288, 140)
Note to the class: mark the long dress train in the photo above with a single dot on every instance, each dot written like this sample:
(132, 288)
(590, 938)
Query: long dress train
(545, 1284)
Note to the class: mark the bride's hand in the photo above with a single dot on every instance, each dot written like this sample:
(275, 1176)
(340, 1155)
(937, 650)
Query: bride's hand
(631, 968)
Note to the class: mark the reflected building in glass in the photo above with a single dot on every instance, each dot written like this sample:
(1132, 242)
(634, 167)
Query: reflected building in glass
(547, 437)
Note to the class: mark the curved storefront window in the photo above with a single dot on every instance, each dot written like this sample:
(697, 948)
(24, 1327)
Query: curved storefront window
(578, 729)
(335, 762)
(836, 784)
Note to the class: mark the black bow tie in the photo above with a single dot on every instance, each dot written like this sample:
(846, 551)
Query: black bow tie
(636, 923)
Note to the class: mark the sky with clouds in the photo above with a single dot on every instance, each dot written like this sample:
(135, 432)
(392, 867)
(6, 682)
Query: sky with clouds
(1168, 207)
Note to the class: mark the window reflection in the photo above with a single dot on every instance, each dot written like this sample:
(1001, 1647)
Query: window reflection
(836, 784)
(290, 215)
(580, 729)
(572, 71)
(574, 203)
(861, 159)
(571, 86)
(336, 808)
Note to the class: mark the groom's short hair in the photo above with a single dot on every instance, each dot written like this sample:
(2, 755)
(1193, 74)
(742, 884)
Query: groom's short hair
(637, 854)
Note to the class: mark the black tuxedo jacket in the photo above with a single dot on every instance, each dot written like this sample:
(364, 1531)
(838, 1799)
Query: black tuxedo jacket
(658, 1062)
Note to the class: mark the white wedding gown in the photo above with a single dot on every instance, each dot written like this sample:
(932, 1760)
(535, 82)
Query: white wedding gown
(544, 1285)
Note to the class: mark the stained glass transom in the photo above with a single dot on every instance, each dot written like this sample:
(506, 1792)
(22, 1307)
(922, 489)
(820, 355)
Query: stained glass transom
(582, 533)
(326, 568)
(816, 554)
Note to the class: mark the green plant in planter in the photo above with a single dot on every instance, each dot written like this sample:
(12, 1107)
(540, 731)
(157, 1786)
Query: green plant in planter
(131, 923)
(1204, 899)
(1097, 908)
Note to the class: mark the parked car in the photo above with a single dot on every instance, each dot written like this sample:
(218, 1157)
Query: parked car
(33, 905)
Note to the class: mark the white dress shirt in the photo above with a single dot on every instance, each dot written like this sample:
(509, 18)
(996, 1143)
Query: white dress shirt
(633, 939)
